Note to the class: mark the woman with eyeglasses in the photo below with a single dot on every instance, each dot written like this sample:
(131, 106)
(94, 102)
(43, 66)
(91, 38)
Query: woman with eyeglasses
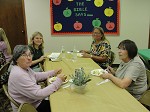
(22, 83)
(37, 49)
(100, 48)
(131, 74)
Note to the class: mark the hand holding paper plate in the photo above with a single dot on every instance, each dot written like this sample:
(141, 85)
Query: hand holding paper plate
(98, 72)
(79, 54)
(52, 79)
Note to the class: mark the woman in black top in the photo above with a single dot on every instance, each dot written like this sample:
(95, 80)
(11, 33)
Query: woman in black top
(36, 48)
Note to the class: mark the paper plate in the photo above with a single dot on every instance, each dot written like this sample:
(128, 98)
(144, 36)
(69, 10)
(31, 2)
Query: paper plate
(79, 54)
(51, 80)
(70, 80)
(98, 72)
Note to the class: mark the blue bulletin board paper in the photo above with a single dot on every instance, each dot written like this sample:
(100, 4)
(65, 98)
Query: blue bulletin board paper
(81, 16)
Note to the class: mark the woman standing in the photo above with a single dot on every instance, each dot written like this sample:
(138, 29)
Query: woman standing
(5, 46)
(131, 74)
(37, 49)
(100, 48)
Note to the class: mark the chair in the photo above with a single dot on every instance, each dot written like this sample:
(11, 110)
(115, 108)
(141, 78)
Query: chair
(41, 67)
(26, 107)
(148, 78)
(146, 63)
(42, 83)
(145, 98)
(5, 88)
(112, 56)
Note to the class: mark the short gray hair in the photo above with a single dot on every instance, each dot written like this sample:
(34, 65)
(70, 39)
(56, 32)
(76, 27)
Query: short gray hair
(18, 51)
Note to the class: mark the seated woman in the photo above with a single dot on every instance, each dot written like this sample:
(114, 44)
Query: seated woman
(131, 74)
(37, 50)
(22, 83)
(5, 46)
(100, 48)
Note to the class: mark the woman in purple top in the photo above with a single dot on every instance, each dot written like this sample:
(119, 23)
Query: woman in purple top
(4, 45)
(22, 83)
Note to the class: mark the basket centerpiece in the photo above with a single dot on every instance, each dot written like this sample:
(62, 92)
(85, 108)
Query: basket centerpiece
(79, 80)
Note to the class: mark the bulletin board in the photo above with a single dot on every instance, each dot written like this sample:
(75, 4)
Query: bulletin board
(81, 16)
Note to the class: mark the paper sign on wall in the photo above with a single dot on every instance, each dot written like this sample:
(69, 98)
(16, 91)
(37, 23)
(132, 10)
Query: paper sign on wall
(81, 16)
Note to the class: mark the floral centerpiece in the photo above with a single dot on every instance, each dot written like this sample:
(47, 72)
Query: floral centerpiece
(79, 80)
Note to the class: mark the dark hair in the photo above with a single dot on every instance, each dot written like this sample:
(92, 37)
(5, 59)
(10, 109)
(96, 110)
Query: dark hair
(130, 46)
(18, 51)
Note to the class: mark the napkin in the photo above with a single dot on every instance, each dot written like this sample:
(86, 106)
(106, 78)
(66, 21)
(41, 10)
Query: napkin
(54, 56)
(102, 82)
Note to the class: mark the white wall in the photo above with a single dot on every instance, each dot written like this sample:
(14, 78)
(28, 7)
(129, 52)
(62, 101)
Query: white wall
(134, 25)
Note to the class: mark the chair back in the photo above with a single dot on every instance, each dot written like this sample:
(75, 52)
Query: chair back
(148, 78)
(26, 107)
(146, 63)
(41, 67)
(5, 88)
(112, 58)
(145, 98)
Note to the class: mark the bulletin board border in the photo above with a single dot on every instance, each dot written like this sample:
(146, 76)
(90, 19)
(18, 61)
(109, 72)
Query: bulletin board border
(85, 33)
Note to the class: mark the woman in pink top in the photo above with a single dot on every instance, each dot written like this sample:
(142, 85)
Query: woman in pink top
(22, 83)
(4, 45)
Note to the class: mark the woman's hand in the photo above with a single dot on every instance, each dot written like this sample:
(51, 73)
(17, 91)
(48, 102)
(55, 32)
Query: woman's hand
(85, 55)
(106, 76)
(62, 77)
(42, 58)
(110, 70)
(58, 71)
(83, 51)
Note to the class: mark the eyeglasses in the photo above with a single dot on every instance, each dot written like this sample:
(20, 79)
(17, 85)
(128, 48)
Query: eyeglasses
(27, 55)
(95, 33)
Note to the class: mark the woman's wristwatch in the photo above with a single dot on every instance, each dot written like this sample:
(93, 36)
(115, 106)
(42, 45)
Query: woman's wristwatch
(91, 56)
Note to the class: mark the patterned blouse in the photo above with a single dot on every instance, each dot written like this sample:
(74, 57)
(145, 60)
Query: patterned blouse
(101, 49)
(2, 59)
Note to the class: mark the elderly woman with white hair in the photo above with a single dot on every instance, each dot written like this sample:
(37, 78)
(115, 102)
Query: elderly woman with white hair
(22, 83)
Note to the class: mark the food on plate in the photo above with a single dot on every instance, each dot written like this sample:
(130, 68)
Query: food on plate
(79, 54)
(97, 72)
(51, 80)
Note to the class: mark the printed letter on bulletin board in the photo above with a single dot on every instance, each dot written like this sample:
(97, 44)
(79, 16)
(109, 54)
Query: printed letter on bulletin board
(81, 16)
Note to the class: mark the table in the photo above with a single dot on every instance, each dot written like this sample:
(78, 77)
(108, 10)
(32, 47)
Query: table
(105, 98)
